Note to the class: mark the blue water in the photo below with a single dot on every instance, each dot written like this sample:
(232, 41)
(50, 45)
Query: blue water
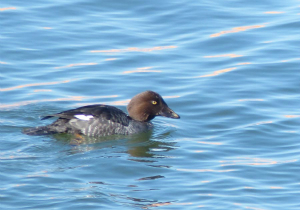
(230, 69)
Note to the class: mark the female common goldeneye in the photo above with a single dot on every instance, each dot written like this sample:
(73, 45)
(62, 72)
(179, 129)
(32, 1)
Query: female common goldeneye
(103, 120)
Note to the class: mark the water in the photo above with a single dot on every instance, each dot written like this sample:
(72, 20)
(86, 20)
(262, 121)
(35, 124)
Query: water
(230, 69)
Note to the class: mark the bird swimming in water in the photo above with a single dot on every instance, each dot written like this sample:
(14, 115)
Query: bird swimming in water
(104, 120)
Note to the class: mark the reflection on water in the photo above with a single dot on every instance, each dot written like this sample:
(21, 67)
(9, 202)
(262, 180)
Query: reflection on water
(34, 84)
(252, 99)
(42, 90)
(274, 12)
(290, 60)
(138, 145)
(216, 73)
(245, 63)
(231, 55)
(291, 116)
(151, 178)
(205, 170)
(76, 64)
(237, 29)
(7, 8)
(142, 69)
(71, 98)
(248, 207)
(133, 49)
(213, 143)
(255, 161)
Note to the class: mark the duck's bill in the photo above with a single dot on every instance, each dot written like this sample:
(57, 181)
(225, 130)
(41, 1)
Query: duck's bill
(167, 112)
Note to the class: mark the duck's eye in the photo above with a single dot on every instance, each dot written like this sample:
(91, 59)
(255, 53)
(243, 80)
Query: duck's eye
(154, 102)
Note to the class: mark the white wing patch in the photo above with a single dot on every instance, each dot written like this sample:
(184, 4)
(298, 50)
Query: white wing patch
(83, 117)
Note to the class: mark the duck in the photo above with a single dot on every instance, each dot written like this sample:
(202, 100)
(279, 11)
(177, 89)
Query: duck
(104, 120)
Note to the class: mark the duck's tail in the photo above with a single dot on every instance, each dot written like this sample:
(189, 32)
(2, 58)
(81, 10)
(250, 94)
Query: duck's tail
(42, 130)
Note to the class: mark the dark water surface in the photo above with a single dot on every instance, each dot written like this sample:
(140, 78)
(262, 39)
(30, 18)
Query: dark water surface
(230, 69)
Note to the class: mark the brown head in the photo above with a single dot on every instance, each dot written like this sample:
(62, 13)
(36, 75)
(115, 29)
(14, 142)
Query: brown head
(147, 105)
